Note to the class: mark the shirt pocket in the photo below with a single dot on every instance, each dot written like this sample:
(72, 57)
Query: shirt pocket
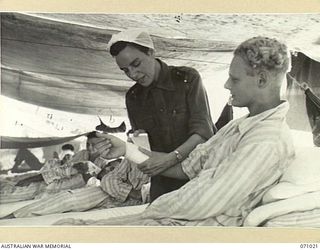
(180, 115)
(180, 118)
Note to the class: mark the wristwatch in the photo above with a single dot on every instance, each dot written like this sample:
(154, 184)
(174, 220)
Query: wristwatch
(178, 155)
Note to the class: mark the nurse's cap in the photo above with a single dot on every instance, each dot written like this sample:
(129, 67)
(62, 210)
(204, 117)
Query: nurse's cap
(137, 36)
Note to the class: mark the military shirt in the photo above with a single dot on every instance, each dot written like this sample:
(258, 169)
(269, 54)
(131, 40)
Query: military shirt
(171, 109)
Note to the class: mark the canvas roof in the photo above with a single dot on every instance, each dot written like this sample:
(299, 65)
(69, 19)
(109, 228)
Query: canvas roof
(60, 61)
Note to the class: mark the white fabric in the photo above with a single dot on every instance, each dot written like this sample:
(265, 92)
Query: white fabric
(134, 154)
(141, 140)
(302, 176)
(8, 208)
(310, 218)
(47, 220)
(137, 36)
(93, 182)
(145, 192)
(66, 152)
(305, 168)
(300, 203)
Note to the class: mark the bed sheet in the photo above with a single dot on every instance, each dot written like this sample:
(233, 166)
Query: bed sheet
(48, 220)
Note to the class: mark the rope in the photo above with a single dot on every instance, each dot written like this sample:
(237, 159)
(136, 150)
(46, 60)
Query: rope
(308, 91)
(303, 85)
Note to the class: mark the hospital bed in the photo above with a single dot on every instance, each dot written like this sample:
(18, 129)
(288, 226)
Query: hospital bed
(293, 202)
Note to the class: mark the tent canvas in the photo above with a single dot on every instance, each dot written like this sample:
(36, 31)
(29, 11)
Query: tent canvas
(304, 95)
(47, 56)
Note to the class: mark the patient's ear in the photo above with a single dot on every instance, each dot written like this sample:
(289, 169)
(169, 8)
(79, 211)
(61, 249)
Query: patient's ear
(262, 79)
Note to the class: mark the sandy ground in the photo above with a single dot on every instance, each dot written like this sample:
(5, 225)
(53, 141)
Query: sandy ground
(224, 27)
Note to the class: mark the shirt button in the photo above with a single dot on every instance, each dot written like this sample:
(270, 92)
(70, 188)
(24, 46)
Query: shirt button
(184, 80)
(161, 110)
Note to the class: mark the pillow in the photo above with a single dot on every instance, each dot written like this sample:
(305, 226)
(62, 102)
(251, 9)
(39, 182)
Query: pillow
(302, 176)
(309, 218)
(305, 168)
(261, 214)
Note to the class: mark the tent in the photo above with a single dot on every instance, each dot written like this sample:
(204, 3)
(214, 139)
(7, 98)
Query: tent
(59, 61)
(305, 75)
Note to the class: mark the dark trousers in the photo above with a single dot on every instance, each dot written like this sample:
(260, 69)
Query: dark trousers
(161, 185)
(25, 155)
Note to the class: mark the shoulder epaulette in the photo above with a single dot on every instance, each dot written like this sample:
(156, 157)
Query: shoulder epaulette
(132, 92)
(181, 73)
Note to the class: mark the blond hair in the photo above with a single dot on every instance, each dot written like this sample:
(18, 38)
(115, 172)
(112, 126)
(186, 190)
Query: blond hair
(263, 53)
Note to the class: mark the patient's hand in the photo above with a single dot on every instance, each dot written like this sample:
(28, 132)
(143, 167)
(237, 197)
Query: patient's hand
(110, 147)
(136, 133)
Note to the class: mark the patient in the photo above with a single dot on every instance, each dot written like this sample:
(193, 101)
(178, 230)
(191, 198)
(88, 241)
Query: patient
(230, 172)
(32, 162)
(54, 177)
(121, 185)
(67, 153)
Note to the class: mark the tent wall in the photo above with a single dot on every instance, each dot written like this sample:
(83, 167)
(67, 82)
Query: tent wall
(304, 69)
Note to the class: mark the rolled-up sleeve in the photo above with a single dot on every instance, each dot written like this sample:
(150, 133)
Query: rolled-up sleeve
(200, 121)
(194, 163)
(116, 183)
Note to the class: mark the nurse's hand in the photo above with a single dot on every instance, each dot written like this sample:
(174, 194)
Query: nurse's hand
(157, 163)
(136, 133)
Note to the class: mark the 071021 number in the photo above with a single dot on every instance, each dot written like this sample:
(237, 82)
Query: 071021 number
(310, 245)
